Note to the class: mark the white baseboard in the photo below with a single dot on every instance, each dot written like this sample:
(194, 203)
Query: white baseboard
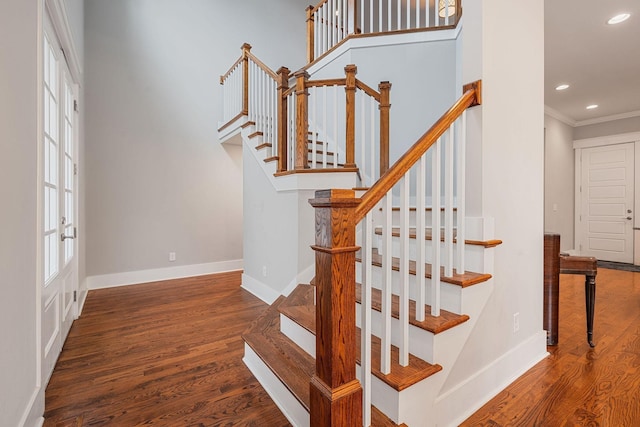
(33, 414)
(168, 273)
(490, 381)
(259, 289)
(303, 277)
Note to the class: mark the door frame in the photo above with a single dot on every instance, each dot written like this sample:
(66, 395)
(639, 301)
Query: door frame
(623, 138)
(60, 28)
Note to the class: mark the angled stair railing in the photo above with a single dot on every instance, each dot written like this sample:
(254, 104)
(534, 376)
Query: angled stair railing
(332, 21)
(308, 125)
(327, 130)
(335, 392)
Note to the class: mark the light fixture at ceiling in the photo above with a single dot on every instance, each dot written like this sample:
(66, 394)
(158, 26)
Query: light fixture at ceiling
(446, 8)
(562, 87)
(618, 18)
(592, 106)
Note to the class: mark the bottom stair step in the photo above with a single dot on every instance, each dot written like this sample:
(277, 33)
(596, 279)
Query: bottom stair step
(292, 365)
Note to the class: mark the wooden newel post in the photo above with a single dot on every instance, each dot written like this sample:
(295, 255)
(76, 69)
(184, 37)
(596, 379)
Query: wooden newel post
(336, 394)
(310, 35)
(385, 105)
(246, 49)
(302, 120)
(283, 114)
(350, 90)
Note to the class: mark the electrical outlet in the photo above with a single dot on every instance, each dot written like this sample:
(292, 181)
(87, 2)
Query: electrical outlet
(516, 322)
(264, 271)
(172, 256)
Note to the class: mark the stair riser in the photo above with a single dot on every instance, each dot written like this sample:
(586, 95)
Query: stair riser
(421, 342)
(299, 335)
(474, 257)
(450, 295)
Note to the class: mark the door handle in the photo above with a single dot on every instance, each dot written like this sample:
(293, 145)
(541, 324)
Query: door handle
(629, 218)
(64, 237)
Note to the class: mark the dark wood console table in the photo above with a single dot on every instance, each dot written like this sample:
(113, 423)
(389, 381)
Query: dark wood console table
(555, 264)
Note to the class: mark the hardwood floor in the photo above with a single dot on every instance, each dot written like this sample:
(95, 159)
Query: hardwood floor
(169, 354)
(576, 385)
(166, 354)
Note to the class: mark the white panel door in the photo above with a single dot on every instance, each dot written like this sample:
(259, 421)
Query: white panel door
(607, 200)
(59, 207)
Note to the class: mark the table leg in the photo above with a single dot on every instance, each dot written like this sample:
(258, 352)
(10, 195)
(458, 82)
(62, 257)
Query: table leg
(590, 296)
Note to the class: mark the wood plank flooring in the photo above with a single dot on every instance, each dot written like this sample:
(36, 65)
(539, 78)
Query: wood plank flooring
(169, 354)
(164, 354)
(576, 385)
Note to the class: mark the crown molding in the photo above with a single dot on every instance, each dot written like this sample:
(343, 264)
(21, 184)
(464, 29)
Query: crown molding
(559, 116)
(611, 118)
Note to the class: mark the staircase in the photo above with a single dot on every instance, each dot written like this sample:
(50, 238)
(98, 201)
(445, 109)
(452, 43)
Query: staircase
(402, 274)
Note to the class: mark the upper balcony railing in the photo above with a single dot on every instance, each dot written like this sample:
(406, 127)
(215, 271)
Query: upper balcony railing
(332, 21)
(340, 124)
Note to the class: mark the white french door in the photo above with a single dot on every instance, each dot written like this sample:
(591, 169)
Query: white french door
(59, 206)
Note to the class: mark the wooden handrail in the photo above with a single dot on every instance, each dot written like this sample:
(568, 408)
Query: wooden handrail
(368, 90)
(471, 97)
(264, 68)
(327, 82)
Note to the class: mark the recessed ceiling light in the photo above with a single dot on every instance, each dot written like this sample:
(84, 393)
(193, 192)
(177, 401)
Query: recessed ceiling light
(618, 18)
(562, 87)
(592, 106)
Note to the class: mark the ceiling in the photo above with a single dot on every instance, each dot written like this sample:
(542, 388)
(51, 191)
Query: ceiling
(600, 62)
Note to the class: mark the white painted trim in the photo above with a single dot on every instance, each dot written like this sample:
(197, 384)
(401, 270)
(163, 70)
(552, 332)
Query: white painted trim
(83, 291)
(601, 141)
(559, 116)
(611, 118)
(364, 41)
(304, 277)
(290, 407)
(144, 276)
(58, 13)
(259, 289)
(32, 416)
(488, 382)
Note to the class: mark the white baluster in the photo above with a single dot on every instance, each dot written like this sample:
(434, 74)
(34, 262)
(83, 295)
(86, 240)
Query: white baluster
(403, 315)
(460, 197)
(435, 229)
(365, 320)
(314, 129)
(375, 171)
(421, 238)
(399, 12)
(335, 126)
(385, 350)
(324, 124)
(448, 205)
(388, 15)
(364, 168)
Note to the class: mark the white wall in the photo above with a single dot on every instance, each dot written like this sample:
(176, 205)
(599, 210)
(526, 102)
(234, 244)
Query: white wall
(512, 69)
(559, 180)
(158, 181)
(613, 127)
(19, 39)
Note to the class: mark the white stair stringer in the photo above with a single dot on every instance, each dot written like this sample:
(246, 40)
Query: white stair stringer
(290, 407)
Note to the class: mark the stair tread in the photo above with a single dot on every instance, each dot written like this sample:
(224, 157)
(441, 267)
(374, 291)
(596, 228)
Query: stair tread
(299, 307)
(256, 133)
(435, 325)
(469, 278)
(263, 145)
(271, 159)
(400, 377)
(292, 365)
(395, 232)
